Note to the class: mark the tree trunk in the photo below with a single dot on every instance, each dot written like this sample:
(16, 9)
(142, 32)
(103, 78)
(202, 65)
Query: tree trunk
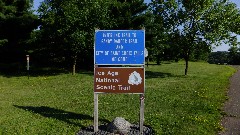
(186, 67)
(147, 61)
(74, 65)
(158, 59)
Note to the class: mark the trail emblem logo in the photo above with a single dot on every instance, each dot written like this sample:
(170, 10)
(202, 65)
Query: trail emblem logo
(135, 78)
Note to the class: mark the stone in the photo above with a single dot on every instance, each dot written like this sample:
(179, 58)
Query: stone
(119, 126)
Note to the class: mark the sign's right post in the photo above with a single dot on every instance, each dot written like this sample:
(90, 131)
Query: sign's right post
(141, 113)
(142, 95)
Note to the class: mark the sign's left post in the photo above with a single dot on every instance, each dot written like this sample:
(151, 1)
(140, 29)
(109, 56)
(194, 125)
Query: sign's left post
(95, 112)
(95, 94)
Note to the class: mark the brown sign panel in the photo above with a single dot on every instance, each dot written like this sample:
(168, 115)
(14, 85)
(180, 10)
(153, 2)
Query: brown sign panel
(119, 80)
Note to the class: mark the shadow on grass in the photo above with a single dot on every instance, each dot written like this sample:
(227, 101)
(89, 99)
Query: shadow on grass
(49, 71)
(32, 72)
(59, 114)
(91, 73)
(151, 74)
(40, 72)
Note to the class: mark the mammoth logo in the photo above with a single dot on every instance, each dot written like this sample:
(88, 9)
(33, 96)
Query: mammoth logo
(135, 78)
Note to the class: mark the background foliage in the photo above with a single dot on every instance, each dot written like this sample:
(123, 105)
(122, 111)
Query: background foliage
(62, 33)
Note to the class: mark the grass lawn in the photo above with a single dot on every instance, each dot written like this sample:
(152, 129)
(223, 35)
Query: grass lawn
(62, 103)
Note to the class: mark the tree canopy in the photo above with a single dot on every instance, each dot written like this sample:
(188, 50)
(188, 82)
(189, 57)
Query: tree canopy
(16, 23)
(194, 26)
(62, 32)
(71, 24)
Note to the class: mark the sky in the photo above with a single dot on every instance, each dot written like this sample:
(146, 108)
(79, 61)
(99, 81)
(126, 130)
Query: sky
(223, 47)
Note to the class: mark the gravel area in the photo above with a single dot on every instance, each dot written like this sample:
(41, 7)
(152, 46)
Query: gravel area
(231, 122)
(103, 130)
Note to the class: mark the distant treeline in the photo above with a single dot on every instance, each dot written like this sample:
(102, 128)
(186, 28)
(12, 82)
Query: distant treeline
(224, 57)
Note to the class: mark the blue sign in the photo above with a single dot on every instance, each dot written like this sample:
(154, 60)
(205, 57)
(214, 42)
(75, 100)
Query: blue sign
(119, 47)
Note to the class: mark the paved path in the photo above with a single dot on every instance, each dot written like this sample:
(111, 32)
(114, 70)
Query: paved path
(231, 122)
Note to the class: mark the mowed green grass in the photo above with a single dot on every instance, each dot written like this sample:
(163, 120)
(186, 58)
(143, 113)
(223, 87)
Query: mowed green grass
(63, 104)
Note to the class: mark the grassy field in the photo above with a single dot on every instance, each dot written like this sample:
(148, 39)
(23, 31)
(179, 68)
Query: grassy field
(62, 103)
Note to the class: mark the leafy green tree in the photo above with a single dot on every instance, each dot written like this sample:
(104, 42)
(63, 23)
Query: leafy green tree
(234, 55)
(69, 26)
(127, 14)
(16, 23)
(219, 57)
(157, 29)
(198, 24)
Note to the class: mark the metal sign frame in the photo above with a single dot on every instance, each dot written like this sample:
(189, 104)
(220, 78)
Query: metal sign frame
(119, 47)
(123, 82)
(142, 63)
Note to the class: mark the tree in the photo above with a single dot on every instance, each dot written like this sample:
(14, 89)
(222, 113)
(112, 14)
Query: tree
(158, 28)
(234, 55)
(219, 57)
(68, 26)
(71, 25)
(127, 14)
(198, 24)
(16, 23)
